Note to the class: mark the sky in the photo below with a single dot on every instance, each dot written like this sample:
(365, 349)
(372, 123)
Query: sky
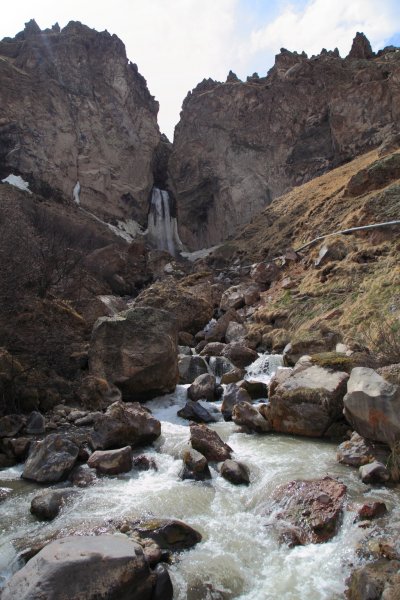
(177, 43)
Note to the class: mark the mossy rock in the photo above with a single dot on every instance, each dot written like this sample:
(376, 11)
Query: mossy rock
(334, 361)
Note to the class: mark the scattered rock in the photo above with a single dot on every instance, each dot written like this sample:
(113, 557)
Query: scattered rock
(195, 465)
(96, 393)
(372, 510)
(10, 425)
(247, 416)
(209, 443)
(36, 423)
(51, 460)
(191, 367)
(163, 589)
(375, 581)
(194, 411)
(111, 462)
(5, 493)
(17, 447)
(239, 355)
(235, 332)
(125, 423)
(372, 405)
(169, 534)
(213, 349)
(104, 566)
(82, 476)
(233, 376)
(265, 273)
(232, 395)
(255, 389)
(374, 472)
(203, 387)
(357, 451)
(144, 463)
(235, 472)
(47, 505)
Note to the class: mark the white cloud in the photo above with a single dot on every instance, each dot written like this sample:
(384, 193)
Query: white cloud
(324, 24)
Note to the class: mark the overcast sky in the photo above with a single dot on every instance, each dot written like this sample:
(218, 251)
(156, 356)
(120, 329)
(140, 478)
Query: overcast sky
(176, 43)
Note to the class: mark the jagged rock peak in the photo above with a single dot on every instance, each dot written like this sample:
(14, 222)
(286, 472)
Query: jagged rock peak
(361, 48)
(232, 77)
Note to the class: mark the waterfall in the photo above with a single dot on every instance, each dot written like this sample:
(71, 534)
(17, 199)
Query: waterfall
(162, 228)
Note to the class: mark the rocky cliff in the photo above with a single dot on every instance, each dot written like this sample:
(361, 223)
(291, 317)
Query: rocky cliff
(74, 109)
(240, 144)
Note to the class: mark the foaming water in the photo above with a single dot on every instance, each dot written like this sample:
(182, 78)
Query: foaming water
(239, 556)
(264, 367)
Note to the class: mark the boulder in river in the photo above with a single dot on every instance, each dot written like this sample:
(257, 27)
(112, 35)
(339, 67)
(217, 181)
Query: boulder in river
(308, 511)
(47, 505)
(236, 472)
(239, 355)
(125, 424)
(372, 405)
(36, 423)
(51, 459)
(375, 581)
(358, 451)
(194, 411)
(232, 395)
(169, 534)
(374, 472)
(137, 351)
(203, 387)
(250, 418)
(111, 462)
(308, 402)
(84, 567)
(207, 442)
(190, 367)
(195, 465)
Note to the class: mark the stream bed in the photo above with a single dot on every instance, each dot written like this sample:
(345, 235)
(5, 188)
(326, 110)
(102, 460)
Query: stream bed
(239, 556)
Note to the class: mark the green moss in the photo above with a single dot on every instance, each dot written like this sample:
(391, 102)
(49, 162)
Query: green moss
(333, 360)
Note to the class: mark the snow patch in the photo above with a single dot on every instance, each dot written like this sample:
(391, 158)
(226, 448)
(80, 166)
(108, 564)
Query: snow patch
(128, 230)
(76, 193)
(17, 182)
(192, 256)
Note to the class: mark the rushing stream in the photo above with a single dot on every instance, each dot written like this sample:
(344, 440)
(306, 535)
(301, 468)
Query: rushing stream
(239, 556)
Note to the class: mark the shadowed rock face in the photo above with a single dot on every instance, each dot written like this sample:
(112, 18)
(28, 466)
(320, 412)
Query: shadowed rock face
(73, 108)
(240, 144)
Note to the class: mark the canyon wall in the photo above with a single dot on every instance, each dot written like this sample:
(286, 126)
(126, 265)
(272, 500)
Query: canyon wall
(73, 108)
(240, 144)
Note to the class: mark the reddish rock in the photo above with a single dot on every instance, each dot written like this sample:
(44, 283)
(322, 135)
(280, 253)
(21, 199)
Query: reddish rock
(372, 510)
(208, 443)
(313, 509)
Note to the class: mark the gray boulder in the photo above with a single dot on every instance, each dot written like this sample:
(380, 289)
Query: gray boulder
(203, 387)
(209, 443)
(51, 459)
(194, 411)
(232, 395)
(307, 402)
(84, 567)
(190, 367)
(372, 405)
(137, 351)
(48, 504)
(111, 462)
(250, 418)
(36, 423)
(374, 472)
(125, 424)
(235, 472)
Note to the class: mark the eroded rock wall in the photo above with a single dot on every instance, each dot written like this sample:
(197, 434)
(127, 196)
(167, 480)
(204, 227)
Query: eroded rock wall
(240, 144)
(73, 108)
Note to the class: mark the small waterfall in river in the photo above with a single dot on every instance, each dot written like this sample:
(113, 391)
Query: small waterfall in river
(162, 227)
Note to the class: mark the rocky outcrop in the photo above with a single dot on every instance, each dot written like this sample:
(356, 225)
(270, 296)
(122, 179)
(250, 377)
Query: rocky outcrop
(372, 405)
(137, 351)
(104, 566)
(81, 79)
(239, 145)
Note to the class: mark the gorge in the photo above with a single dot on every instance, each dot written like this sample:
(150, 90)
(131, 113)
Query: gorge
(195, 402)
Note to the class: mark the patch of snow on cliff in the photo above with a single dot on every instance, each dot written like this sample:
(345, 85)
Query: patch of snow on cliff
(76, 193)
(18, 182)
(128, 230)
(192, 256)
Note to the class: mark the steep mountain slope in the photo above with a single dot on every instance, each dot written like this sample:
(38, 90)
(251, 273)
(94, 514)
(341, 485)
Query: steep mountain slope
(74, 109)
(240, 144)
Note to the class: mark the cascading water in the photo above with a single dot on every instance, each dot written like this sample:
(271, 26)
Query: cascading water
(162, 226)
(239, 556)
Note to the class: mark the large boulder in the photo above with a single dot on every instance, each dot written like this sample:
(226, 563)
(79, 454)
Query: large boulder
(111, 462)
(358, 451)
(191, 308)
(137, 351)
(195, 465)
(125, 424)
(51, 459)
(208, 443)
(194, 411)
(84, 567)
(47, 505)
(308, 511)
(307, 402)
(372, 405)
(240, 295)
(239, 355)
(235, 472)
